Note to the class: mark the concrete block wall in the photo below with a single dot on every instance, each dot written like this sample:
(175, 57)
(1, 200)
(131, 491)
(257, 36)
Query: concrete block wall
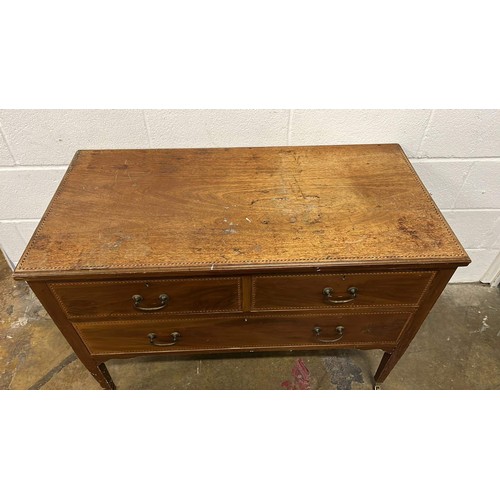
(455, 152)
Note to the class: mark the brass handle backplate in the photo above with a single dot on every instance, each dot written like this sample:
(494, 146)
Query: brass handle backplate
(339, 329)
(152, 337)
(139, 298)
(329, 298)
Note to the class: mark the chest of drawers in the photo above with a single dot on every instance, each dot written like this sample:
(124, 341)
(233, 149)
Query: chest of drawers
(239, 249)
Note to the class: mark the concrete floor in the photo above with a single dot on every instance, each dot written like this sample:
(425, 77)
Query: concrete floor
(458, 347)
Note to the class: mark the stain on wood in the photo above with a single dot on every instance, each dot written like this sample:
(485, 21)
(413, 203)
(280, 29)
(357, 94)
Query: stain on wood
(161, 209)
(240, 250)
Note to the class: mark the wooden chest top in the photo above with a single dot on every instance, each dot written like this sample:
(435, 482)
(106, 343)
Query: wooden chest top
(206, 210)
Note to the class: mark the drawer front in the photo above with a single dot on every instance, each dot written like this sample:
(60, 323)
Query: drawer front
(332, 291)
(148, 297)
(216, 334)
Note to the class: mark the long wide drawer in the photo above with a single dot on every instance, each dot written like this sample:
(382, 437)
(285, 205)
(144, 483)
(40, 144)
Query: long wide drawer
(332, 291)
(148, 297)
(216, 334)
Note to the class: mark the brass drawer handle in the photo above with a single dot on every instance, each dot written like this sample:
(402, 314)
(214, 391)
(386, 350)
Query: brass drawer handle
(339, 329)
(139, 298)
(330, 299)
(152, 336)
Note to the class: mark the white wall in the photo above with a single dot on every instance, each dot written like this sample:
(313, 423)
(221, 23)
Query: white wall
(456, 153)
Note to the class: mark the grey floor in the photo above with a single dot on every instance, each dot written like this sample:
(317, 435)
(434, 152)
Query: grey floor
(458, 347)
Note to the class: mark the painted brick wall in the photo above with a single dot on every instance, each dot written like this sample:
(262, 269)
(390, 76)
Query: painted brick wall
(456, 153)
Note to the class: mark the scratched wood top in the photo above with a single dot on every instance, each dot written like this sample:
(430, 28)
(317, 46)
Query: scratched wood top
(213, 209)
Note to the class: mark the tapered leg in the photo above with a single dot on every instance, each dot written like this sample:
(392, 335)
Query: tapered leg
(387, 363)
(100, 373)
(389, 360)
(97, 369)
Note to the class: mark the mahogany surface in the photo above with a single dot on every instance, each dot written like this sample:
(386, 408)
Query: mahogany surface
(243, 241)
(206, 209)
(373, 289)
(215, 334)
(114, 298)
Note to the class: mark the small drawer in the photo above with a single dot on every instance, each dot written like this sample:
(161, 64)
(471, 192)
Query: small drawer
(91, 299)
(315, 331)
(332, 291)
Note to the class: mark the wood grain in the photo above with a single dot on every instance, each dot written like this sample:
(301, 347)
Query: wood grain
(243, 241)
(306, 291)
(243, 334)
(114, 298)
(211, 209)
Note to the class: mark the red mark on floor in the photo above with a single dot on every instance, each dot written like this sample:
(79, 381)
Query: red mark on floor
(301, 377)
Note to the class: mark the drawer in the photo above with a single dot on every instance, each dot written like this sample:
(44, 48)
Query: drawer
(315, 331)
(332, 291)
(148, 297)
